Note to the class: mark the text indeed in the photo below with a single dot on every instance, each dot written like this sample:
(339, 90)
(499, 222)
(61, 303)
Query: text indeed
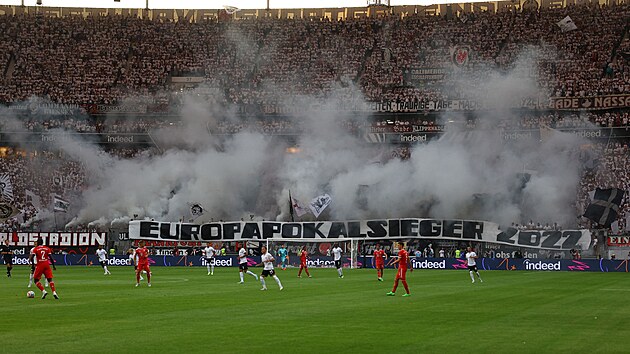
(426, 264)
(119, 261)
(218, 262)
(540, 265)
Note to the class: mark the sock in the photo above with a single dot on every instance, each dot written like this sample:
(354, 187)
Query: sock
(208, 266)
(9, 270)
(30, 280)
(241, 274)
(252, 274)
(39, 286)
(395, 286)
(106, 271)
(47, 282)
(479, 276)
(148, 277)
(472, 277)
(212, 268)
(340, 272)
(307, 273)
(52, 285)
(378, 272)
(137, 277)
(262, 280)
(300, 272)
(406, 286)
(275, 277)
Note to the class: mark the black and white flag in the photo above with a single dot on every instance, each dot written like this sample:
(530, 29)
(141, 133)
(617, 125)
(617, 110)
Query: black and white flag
(7, 211)
(319, 204)
(59, 204)
(566, 24)
(6, 188)
(196, 210)
(604, 206)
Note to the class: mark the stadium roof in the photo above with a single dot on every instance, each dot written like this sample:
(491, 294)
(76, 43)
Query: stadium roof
(217, 4)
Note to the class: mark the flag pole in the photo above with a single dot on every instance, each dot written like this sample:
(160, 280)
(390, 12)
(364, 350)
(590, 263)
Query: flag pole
(291, 207)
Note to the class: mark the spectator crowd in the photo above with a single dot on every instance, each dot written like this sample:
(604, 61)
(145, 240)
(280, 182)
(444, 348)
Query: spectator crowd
(104, 60)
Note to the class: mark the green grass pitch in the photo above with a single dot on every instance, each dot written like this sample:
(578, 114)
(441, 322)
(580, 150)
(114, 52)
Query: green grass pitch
(187, 311)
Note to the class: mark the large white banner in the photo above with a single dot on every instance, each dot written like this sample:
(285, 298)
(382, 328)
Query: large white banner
(55, 239)
(463, 230)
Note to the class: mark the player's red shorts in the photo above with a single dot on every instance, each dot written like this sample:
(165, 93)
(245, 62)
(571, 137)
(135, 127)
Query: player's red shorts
(402, 274)
(42, 268)
(144, 267)
(302, 265)
(379, 265)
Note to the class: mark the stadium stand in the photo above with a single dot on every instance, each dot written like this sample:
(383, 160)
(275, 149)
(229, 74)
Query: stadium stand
(102, 60)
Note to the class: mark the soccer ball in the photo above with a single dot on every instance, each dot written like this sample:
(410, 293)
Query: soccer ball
(30, 294)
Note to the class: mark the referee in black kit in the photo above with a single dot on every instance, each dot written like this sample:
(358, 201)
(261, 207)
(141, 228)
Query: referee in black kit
(7, 253)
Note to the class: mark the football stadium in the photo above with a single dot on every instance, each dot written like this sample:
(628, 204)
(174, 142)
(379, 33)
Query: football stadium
(255, 176)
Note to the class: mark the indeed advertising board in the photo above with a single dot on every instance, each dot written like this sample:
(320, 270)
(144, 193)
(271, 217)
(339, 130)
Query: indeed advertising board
(548, 265)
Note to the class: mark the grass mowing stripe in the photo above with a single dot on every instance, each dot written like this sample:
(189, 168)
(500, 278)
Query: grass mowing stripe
(188, 311)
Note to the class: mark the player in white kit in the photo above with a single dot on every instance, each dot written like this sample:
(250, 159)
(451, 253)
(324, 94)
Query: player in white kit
(267, 261)
(242, 263)
(471, 256)
(336, 251)
(209, 252)
(102, 259)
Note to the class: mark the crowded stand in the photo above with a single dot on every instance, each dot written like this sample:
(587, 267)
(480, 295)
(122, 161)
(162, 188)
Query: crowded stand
(101, 60)
(105, 60)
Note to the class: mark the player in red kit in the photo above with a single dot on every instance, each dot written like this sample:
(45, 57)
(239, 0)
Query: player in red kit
(379, 261)
(43, 258)
(303, 257)
(143, 263)
(403, 261)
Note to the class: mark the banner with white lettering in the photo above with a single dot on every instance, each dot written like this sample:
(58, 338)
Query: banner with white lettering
(55, 239)
(619, 241)
(464, 230)
(590, 103)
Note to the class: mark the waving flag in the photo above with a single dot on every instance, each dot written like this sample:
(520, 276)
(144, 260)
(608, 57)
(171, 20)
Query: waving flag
(297, 206)
(605, 206)
(566, 24)
(196, 210)
(6, 188)
(7, 211)
(319, 204)
(60, 204)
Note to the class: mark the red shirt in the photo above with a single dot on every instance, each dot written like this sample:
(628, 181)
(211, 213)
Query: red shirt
(143, 255)
(403, 256)
(303, 255)
(379, 256)
(42, 254)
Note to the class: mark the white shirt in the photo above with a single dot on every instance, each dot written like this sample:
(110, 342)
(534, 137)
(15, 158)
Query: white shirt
(209, 252)
(102, 255)
(471, 260)
(441, 253)
(242, 256)
(267, 259)
(337, 253)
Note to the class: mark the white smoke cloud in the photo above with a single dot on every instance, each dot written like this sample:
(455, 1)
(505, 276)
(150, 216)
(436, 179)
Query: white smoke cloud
(250, 174)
